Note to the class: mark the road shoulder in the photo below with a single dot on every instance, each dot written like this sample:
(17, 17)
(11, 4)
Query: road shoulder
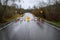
(52, 25)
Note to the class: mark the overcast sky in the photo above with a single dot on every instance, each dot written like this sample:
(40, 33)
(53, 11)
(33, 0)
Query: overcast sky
(26, 4)
(29, 3)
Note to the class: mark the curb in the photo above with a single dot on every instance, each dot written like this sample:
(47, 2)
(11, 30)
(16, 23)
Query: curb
(52, 25)
(4, 27)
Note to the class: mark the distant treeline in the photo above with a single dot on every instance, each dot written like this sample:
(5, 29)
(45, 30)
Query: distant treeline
(52, 12)
(6, 12)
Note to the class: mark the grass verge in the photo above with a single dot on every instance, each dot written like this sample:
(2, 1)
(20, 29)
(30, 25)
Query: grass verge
(7, 21)
(55, 23)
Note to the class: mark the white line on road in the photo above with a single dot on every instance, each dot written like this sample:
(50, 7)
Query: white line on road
(5, 26)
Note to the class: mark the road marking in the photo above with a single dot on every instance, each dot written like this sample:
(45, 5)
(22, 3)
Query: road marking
(5, 26)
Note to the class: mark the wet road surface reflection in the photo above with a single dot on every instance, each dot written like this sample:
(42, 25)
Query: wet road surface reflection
(29, 31)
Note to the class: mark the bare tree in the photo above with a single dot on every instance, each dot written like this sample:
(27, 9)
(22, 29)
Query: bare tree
(13, 1)
(5, 2)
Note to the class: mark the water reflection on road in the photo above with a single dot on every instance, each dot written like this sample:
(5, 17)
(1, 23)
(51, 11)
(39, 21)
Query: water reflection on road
(29, 31)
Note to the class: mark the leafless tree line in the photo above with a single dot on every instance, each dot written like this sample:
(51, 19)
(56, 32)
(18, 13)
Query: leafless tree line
(53, 11)
(7, 11)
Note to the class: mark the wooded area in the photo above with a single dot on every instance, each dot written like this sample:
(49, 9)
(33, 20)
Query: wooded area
(50, 12)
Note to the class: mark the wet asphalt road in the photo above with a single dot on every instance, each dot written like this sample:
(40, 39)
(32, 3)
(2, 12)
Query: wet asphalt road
(23, 30)
(29, 31)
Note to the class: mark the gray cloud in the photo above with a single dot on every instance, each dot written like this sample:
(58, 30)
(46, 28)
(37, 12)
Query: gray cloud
(30, 3)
